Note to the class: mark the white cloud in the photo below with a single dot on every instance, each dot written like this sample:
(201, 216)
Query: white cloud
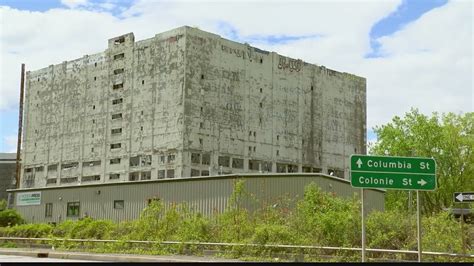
(429, 64)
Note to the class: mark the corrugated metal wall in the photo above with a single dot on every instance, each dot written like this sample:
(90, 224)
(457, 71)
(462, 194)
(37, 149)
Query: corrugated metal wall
(207, 195)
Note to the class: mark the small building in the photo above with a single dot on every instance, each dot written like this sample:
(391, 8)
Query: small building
(207, 195)
(7, 173)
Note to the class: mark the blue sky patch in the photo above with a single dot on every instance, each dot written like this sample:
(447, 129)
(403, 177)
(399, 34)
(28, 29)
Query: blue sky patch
(408, 11)
(8, 126)
(32, 5)
(115, 7)
(232, 33)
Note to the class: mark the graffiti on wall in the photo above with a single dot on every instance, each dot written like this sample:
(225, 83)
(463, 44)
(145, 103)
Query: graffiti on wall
(291, 64)
(249, 54)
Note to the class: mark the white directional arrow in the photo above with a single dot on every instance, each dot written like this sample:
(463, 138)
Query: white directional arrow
(359, 163)
(422, 182)
(460, 197)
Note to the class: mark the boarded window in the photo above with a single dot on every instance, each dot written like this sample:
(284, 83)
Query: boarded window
(306, 169)
(117, 116)
(224, 161)
(281, 168)
(145, 175)
(195, 172)
(134, 161)
(206, 158)
(53, 167)
(118, 71)
(317, 170)
(48, 212)
(119, 40)
(119, 204)
(117, 101)
(133, 176)
(73, 209)
(118, 86)
(90, 178)
(68, 180)
(267, 166)
(196, 158)
(170, 173)
(292, 168)
(116, 131)
(237, 163)
(114, 176)
(91, 163)
(119, 56)
(145, 160)
(67, 166)
(161, 174)
(254, 165)
(51, 181)
(115, 146)
(115, 161)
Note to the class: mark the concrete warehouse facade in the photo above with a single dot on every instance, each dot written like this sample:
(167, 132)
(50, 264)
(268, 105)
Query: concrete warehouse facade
(187, 103)
(206, 195)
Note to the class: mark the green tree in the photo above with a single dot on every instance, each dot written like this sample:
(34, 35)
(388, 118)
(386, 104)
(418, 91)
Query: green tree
(448, 138)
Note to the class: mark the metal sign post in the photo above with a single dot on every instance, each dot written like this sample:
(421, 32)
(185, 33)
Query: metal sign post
(363, 225)
(462, 230)
(418, 224)
(463, 197)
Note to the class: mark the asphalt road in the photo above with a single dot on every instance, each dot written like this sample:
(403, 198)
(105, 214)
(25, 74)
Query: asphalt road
(12, 258)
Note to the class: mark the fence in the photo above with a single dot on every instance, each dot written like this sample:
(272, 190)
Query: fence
(223, 246)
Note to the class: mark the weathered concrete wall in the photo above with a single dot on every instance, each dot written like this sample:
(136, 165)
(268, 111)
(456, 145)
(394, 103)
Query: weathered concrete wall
(78, 111)
(187, 103)
(282, 114)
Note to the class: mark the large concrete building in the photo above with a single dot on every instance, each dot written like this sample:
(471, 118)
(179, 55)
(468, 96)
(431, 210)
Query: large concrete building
(187, 103)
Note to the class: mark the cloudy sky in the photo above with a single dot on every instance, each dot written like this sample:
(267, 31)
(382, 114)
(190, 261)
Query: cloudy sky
(414, 53)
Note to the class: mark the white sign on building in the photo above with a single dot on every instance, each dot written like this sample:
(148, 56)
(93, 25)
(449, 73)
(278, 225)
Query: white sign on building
(28, 198)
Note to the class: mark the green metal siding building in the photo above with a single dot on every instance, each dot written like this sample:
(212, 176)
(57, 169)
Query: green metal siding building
(207, 195)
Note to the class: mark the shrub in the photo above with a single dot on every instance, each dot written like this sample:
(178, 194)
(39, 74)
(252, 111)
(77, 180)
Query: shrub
(10, 217)
(390, 230)
(27, 230)
(441, 232)
(194, 227)
(322, 218)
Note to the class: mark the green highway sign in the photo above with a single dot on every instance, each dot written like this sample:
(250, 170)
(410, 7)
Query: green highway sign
(405, 173)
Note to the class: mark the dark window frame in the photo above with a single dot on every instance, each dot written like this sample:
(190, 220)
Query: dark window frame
(116, 202)
(48, 210)
(73, 209)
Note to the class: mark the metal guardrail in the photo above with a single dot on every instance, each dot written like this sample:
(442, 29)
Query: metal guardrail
(443, 254)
